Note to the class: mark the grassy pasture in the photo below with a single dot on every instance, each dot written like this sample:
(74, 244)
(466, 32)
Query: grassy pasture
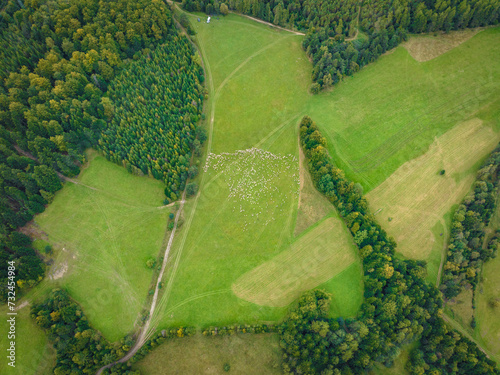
(427, 47)
(311, 260)
(34, 354)
(391, 111)
(312, 205)
(488, 325)
(416, 196)
(106, 227)
(245, 213)
(245, 354)
(259, 84)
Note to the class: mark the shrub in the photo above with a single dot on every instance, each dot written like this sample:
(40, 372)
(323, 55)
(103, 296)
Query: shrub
(191, 189)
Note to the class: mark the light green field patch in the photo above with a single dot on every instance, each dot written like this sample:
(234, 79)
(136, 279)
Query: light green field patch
(313, 206)
(246, 354)
(415, 197)
(33, 352)
(391, 111)
(311, 260)
(107, 226)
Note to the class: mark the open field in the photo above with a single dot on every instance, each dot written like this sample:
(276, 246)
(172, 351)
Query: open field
(427, 47)
(314, 258)
(34, 354)
(245, 354)
(416, 197)
(105, 229)
(245, 213)
(391, 111)
(312, 206)
(488, 323)
(256, 103)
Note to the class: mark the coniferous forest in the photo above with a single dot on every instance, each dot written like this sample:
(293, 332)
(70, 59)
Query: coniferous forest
(157, 103)
(58, 59)
(344, 36)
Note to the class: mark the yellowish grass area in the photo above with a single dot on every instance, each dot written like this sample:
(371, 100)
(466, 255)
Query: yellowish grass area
(416, 196)
(244, 353)
(461, 308)
(427, 47)
(488, 328)
(311, 260)
(313, 206)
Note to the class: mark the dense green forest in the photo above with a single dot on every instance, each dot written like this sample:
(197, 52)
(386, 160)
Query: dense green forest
(157, 103)
(332, 41)
(399, 306)
(58, 59)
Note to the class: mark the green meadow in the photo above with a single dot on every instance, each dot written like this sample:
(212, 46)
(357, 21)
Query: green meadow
(256, 212)
(34, 353)
(104, 228)
(258, 82)
(390, 111)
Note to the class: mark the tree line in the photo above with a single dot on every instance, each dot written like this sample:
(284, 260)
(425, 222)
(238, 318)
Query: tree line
(330, 25)
(466, 252)
(399, 305)
(58, 59)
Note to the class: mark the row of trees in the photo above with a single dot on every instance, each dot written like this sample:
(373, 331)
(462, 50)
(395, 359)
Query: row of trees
(157, 102)
(399, 305)
(466, 252)
(384, 25)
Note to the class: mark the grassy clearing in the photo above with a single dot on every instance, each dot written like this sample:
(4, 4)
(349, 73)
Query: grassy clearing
(346, 289)
(460, 309)
(313, 259)
(106, 228)
(245, 354)
(416, 197)
(34, 354)
(257, 102)
(391, 111)
(427, 47)
(247, 207)
(313, 206)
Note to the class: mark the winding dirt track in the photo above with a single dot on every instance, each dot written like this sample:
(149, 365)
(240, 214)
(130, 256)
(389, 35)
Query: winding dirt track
(145, 329)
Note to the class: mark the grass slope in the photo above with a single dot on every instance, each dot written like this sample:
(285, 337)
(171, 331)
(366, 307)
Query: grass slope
(311, 260)
(312, 204)
(391, 111)
(34, 354)
(245, 354)
(416, 197)
(107, 227)
(259, 91)
(246, 210)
